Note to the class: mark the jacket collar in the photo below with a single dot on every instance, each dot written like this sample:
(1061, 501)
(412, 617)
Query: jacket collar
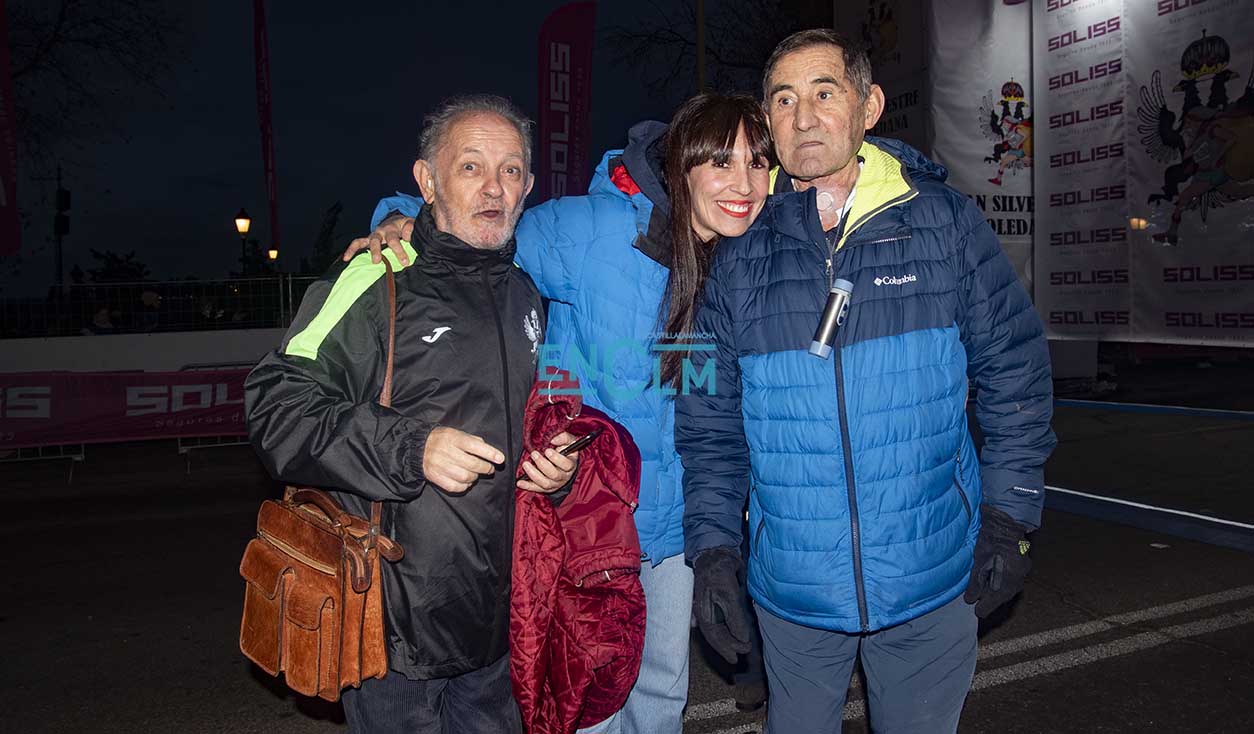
(655, 241)
(438, 247)
(882, 184)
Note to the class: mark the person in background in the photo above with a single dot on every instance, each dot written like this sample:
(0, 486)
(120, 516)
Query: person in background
(101, 323)
(151, 316)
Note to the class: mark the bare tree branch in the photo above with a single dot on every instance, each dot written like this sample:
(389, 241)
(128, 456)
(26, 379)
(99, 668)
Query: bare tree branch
(739, 37)
(74, 62)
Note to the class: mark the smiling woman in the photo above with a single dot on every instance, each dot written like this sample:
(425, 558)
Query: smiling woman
(718, 174)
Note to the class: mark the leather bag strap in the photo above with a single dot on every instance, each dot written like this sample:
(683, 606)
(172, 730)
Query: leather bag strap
(385, 396)
(364, 538)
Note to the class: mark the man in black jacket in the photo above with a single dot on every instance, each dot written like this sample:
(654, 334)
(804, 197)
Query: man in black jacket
(442, 458)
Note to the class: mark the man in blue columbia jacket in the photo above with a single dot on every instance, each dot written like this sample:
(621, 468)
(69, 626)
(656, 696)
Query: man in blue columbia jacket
(875, 530)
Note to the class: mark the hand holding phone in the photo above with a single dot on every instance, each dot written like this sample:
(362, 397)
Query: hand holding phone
(549, 470)
(580, 443)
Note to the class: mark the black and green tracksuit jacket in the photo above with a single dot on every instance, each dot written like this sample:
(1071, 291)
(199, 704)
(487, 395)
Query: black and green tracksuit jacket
(468, 330)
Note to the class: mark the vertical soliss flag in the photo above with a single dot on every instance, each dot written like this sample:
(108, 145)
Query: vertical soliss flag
(261, 53)
(10, 227)
(565, 72)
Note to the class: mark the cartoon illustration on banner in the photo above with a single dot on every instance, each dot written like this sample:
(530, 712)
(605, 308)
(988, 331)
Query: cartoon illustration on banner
(1008, 124)
(1207, 147)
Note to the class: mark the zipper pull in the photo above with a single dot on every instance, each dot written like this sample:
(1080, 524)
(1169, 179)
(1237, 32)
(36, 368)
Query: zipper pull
(829, 272)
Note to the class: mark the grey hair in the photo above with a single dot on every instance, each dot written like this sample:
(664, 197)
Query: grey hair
(857, 62)
(435, 126)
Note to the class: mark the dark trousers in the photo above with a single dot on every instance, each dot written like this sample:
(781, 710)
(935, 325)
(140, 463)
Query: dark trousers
(478, 702)
(917, 673)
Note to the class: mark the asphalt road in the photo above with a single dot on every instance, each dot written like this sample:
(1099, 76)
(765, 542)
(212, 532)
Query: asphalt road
(121, 610)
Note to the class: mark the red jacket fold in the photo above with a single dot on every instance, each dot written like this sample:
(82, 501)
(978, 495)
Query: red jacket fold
(577, 608)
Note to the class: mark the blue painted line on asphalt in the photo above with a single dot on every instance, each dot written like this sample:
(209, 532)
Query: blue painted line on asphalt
(1241, 415)
(1178, 523)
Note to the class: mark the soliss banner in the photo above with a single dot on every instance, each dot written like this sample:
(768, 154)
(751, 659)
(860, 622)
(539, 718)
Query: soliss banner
(982, 114)
(1190, 146)
(1081, 249)
(51, 408)
(1144, 196)
(565, 114)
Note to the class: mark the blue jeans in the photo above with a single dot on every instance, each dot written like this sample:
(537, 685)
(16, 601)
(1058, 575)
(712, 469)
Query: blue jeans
(917, 673)
(656, 702)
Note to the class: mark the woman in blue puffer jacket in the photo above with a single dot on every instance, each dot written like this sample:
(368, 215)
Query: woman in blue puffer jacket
(623, 279)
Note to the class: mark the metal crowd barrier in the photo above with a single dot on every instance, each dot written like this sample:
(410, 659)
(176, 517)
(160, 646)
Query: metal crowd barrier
(197, 443)
(73, 453)
(136, 308)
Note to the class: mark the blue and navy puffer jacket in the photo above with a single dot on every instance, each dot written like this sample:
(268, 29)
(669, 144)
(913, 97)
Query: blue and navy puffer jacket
(863, 483)
(602, 260)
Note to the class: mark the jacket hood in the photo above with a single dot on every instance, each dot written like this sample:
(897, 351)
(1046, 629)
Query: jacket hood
(915, 163)
(644, 158)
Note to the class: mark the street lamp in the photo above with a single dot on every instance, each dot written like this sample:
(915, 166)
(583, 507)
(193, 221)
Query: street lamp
(272, 254)
(242, 224)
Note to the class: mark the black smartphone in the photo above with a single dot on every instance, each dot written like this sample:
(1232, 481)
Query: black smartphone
(570, 448)
(580, 443)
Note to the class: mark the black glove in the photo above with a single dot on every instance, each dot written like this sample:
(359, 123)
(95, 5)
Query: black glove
(720, 602)
(1001, 562)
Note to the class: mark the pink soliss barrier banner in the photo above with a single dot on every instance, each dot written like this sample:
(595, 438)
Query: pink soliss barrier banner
(50, 408)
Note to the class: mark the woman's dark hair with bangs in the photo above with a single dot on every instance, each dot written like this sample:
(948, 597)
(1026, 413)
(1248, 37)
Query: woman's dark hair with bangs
(704, 129)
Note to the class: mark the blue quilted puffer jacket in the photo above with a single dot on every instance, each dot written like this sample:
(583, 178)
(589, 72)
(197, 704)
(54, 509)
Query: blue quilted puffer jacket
(599, 259)
(863, 482)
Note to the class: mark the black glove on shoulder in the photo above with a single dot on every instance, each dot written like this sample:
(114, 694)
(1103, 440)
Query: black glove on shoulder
(1001, 562)
(720, 602)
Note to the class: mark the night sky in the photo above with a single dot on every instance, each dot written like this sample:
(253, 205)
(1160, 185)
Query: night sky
(349, 92)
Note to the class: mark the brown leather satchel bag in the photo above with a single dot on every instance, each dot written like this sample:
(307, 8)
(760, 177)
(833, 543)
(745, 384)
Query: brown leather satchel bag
(313, 600)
